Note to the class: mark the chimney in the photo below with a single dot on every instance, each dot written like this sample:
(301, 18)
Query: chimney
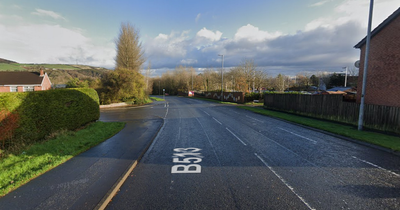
(41, 72)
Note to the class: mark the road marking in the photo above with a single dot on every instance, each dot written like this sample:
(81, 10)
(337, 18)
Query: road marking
(193, 158)
(236, 137)
(166, 113)
(217, 121)
(284, 182)
(254, 119)
(209, 141)
(313, 141)
(206, 113)
(374, 165)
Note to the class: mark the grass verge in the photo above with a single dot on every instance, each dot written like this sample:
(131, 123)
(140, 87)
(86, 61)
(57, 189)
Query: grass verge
(156, 99)
(387, 141)
(16, 170)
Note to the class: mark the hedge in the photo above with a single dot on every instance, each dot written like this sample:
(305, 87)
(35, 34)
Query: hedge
(31, 116)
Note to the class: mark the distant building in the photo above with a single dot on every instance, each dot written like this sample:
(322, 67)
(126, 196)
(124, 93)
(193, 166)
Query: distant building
(24, 81)
(383, 78)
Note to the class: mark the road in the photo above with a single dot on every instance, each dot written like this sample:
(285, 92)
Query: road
(212, 156)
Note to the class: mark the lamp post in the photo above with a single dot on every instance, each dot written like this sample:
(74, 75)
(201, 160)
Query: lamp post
(345, 78)
(361, 113)
(222, 78)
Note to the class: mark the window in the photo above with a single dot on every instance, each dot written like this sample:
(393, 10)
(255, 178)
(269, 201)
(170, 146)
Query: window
(14, 89)
(28, 88)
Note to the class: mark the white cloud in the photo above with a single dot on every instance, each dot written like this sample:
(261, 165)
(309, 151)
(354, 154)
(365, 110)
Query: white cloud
(320, 3)
(356, 11)
(43, 43)
(254, 34)
(41, 12)
(188, 61)
(198, 17)
(172, 45)
(210, 35)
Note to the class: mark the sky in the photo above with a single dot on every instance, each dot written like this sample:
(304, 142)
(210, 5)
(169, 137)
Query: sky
(280, 36)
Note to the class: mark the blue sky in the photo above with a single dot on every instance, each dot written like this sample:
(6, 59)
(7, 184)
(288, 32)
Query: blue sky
(287, 37)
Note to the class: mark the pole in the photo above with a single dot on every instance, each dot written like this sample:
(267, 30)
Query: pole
(361, 113)
(345, 77)
(222, 78)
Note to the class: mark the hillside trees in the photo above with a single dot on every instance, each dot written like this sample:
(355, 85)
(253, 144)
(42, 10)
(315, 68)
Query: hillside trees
(125, 83)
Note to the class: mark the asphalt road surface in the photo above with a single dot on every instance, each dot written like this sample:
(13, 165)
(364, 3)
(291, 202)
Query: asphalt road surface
(212, 156)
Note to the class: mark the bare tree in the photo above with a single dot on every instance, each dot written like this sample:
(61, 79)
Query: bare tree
(129, 49)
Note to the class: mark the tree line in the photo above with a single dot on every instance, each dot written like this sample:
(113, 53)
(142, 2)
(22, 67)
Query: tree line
(242, 78)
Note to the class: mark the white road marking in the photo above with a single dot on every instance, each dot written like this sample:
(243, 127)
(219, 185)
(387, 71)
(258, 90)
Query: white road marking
(208, 138)
(217, 121)
(166, 113)
(284, 182)
(254, 119)
(236, 137)
(374, 165)
(313, 141)
(206, 113)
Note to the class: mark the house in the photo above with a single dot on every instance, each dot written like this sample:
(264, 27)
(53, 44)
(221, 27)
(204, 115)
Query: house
(383, 78)
(24, 81)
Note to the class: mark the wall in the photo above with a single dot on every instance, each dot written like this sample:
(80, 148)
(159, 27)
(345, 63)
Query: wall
(237, 97)
(383, 76)
(4, 89)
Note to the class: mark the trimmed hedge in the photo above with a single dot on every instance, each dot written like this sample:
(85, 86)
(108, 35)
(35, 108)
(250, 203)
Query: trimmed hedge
(31, 116)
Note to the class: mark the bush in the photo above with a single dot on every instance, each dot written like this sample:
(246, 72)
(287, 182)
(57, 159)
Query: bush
(31, 116)
(252, 96)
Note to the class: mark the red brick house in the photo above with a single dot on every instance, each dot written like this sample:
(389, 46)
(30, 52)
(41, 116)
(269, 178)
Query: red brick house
(383, 78)
(24, 81)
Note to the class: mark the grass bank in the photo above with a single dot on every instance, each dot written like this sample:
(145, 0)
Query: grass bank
(18, 169)
(156, 99)
(380, 139)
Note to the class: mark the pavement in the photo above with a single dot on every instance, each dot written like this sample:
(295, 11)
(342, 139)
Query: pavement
(89, 180)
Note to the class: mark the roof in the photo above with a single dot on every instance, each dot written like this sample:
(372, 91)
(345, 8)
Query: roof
(20, 78)
(339, 89)
(380, 27)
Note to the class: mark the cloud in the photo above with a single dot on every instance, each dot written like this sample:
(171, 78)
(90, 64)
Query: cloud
(44, 13)
(320, 3)
(254, 34)
(198, 17)
(43, 43)
(210, 35)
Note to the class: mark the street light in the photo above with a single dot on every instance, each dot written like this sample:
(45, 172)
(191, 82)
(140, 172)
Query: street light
(222, 78)
(345, 78)
(361, 113)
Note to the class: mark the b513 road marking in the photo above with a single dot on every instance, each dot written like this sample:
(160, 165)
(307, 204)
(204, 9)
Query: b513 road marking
(189, 157)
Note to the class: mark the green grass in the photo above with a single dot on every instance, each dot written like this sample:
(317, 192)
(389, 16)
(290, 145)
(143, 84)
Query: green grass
(156, 99)
(11, 67)
(387, 141)
(18, 169)
(215, 101)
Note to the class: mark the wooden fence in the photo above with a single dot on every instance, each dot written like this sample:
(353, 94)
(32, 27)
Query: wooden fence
(333, 107)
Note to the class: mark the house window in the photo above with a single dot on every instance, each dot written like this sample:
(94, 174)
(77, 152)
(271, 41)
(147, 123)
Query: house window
(28, 88)
(13, 89)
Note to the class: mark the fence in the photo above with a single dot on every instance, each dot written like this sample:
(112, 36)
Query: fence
(333, 107)
(237, 97)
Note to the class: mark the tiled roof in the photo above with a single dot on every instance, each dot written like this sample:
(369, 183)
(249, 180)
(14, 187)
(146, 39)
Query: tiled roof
(20, 78)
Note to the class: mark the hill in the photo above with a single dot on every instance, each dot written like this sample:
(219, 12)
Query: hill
(58, 73)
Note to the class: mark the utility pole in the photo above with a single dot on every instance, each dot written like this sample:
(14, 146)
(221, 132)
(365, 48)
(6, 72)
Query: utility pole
(361, 113)
(222, 78)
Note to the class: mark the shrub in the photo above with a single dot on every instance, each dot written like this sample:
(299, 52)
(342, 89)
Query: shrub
(252, 96)
(31, 116)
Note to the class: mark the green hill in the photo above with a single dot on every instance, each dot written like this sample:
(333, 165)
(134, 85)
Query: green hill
(58, 73)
